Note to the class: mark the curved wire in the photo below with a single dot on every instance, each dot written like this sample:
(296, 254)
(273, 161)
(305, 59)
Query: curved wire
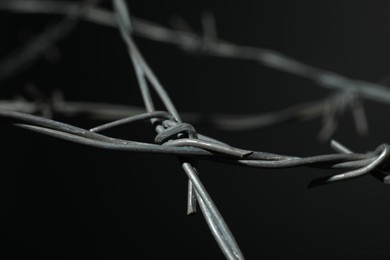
(132, 119)
(205, 147)
(194, 148)
(228, 150)
(384, 150)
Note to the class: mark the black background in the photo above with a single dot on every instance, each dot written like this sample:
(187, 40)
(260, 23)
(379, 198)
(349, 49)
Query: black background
(66, 201)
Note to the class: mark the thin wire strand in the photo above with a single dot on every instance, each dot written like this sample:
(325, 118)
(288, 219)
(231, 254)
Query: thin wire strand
(29, 52)
(124, 27)
(207, 44)
(215, 221)
(192, 42)
(252, 158)
(181, 139)
(132, 119)
(143, 70)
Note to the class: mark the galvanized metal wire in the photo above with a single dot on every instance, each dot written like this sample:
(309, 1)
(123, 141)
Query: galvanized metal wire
(176, 137)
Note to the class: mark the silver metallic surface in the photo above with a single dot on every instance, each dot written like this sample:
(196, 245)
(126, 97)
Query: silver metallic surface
(178, 138)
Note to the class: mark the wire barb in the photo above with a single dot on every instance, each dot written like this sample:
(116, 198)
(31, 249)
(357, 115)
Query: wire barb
(177, 137)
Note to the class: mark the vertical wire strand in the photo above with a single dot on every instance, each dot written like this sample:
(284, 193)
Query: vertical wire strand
(214, 219)
(143, 68)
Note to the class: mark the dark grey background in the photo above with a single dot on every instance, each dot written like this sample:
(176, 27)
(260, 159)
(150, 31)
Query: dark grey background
(66, 201)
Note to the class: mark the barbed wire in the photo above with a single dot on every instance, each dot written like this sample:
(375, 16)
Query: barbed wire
(330, 109)
(348, 95)
(176, 137)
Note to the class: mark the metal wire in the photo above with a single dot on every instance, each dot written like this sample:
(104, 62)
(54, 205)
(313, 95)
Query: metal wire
(176, 137)
(348, 96)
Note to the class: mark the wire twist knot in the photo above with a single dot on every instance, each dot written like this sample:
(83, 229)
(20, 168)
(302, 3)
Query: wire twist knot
(170, 129)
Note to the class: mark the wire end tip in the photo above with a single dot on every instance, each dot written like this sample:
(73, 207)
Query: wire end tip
(191, 211)
(386, 179)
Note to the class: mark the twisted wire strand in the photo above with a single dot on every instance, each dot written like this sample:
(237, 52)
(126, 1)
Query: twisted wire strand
(254, 159)
(29, 52)
(104, 111)
(357, 164)
(180, 139)
(208, 44)
(193, 42)
(214, 219)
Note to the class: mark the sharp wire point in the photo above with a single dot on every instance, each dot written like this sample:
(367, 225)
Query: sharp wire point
(174, 135)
